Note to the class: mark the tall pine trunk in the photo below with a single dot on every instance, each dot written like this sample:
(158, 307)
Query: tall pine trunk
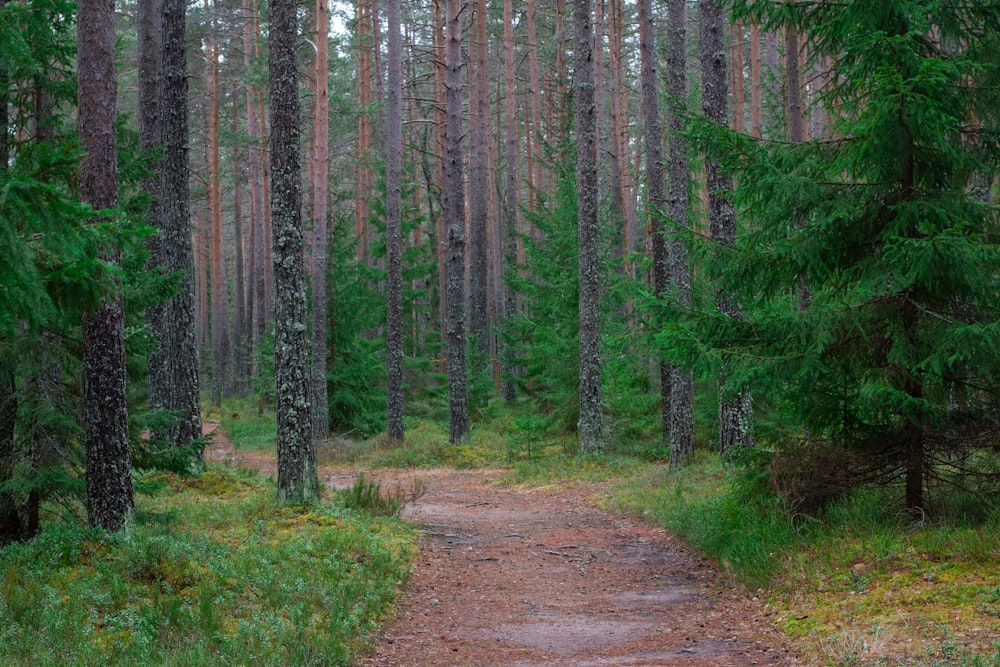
(110, 499)
(321, 179)
(297, 480)
(510, 201)
(478, 192)
(219, 305)
(656, 197)
(589, 426)
(735, 412)
(453, 195)
(182, 390)
(681, 381)
(258, 255)
(393, 227)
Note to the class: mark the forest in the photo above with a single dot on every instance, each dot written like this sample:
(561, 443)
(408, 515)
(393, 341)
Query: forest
(730, 265)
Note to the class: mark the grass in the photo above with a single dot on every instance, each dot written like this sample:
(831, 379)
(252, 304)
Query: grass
(250, 425)
(212, 571)
(858, 584)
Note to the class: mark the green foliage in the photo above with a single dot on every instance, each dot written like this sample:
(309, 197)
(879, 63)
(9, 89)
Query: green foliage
(212, 572)
(368, 496)
(543, 338)
(357, 371)
(250, 426)
(833, 575)
(894, 357)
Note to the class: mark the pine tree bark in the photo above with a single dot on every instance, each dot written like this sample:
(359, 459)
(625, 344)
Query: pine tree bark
(534, 131)
(510, 201)
(182, 391)
(589, 425)
(219, 305)
(362, 175)
(257, 314)
(756, 112)
(110, 500)
(440, 146)
(321, 179)
(297, 480)
(394, 228)
(149, 28)
(656, 197)
(681, 381)
(478, 192)
(241, 370)
(453, 195)
(735, 411)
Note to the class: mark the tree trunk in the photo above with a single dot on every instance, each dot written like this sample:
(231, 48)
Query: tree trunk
(735, 412)
(453, 195)
(534, 131)
(510, 201)
(362, 174)
(589, 426)
(440, 146)
(220, 309)
(175, 233)
(241, 371)
(618, 146)
(149, 28)
(256, 311)
(656, 197)
(297, 480)
(394, 229)
(681, 381)
(110, 499)
(478, 192)
(321, 180)
(756, 113)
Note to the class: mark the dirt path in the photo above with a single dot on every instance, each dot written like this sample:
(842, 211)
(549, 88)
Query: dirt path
(528, 577)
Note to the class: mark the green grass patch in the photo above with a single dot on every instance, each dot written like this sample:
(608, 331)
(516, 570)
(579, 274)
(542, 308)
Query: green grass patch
(859, 583)
(251, 425)
(212, 571)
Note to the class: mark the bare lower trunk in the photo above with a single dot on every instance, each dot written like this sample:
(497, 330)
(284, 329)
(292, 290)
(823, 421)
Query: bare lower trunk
(656, 197)
(735, 414)
(394, 230)
(321, 177)
(297, 480)
(681, 381)
(183, 390)
(454, 211)
(589, 426)
(510, 202)
(110, 500)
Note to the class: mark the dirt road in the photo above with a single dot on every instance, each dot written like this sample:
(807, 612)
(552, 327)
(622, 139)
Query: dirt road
(525, 577)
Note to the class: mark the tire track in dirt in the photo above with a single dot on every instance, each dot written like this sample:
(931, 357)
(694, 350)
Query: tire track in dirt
(525, 577)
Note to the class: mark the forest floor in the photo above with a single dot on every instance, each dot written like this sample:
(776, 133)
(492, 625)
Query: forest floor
(530, 576)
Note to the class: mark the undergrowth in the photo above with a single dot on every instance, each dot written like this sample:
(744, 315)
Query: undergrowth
(250, 424)
(212, 571)
(859, 583)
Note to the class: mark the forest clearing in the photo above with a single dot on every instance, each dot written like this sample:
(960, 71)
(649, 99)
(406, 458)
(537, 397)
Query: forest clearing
(500, 332)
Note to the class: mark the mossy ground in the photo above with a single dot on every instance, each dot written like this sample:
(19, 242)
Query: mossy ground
(212, 571)
(857, 584)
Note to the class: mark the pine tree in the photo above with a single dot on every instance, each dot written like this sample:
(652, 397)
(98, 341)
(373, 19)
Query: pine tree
(110, 499)
(590, 426)
(394, 230)
(297, 480)
(453, 200)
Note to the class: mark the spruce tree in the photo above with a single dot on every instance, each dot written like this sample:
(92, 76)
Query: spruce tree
(891, 374)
